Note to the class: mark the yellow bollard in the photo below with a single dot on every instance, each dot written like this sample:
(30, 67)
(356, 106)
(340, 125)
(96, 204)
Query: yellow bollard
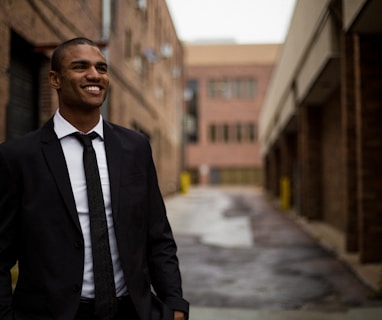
(185, 181)
(285, 193)
(15, 275)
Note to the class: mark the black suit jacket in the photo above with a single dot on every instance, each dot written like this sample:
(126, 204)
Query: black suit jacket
(39, 228)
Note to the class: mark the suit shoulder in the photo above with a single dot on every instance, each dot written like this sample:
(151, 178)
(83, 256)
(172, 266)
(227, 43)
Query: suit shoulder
(131, 135)
(23, 142)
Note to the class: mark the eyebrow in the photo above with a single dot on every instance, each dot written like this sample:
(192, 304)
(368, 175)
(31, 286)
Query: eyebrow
(99, 63)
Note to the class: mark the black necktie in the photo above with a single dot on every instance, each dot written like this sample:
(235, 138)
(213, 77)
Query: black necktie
(105, 297)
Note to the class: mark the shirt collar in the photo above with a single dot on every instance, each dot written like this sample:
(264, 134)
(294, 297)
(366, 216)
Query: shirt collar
(63, 128)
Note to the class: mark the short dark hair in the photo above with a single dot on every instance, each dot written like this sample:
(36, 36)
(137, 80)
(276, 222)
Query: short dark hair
(55, 63)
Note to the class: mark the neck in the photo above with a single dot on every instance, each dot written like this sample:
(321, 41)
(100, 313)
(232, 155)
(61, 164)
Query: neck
(83, 121)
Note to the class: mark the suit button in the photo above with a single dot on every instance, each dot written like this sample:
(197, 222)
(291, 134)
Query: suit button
(76, 288)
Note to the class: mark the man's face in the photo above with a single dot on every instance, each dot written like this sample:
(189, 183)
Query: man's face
(82, 81)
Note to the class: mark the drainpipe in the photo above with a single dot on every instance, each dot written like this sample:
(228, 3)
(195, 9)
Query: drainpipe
(105, 37)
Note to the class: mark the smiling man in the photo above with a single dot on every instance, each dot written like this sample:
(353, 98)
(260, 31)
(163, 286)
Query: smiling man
(89, 244)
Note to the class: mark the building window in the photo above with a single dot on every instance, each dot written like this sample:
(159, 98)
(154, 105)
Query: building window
(252, 132)
(240, 88)
(219, 89)
(191, 97)
(252, 88)
(232, 133)
(128, 45)
(212, 133)
(238, 133)
(211, 89)
(225, 133)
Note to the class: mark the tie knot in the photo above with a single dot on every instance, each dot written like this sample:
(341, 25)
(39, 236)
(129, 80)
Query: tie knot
(86, 139)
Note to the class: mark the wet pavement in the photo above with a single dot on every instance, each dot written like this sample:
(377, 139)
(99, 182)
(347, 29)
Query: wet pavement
(241, 259)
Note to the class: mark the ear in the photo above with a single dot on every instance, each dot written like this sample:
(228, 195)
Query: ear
(54, 80)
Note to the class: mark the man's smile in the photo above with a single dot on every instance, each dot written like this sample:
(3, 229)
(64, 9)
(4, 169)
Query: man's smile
(93, 88)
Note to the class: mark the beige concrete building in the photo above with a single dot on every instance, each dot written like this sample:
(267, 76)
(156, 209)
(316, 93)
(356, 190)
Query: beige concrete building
(146, 68)
(320, 127)
(226, 84)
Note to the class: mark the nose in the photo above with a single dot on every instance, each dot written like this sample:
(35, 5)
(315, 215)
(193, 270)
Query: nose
(92, 73)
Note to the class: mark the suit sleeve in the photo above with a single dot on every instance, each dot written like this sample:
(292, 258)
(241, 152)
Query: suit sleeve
(163, 261)
(8, 216)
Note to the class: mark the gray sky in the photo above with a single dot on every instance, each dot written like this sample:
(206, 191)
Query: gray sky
(245, 21)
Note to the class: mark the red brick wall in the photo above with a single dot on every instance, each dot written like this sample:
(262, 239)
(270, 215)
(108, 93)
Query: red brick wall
(150, 99)
(332, 154)
(230, 111)
(340, 149)
(43, 26)
(368, 71)
(274, 171)
(348, 133)
(310, 155)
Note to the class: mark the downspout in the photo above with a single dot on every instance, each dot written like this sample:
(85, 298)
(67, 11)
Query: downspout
(105, 37)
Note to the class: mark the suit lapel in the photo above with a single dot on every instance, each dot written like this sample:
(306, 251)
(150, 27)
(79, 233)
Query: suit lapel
(113, 151)
(55, 159)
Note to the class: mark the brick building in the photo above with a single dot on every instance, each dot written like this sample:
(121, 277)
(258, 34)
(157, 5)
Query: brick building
(226, 84)
(145, 61)
(320, 127)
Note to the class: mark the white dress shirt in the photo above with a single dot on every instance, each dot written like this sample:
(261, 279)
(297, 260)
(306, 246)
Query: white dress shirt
(73, 151)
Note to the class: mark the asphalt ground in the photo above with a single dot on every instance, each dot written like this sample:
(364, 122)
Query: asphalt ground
(241, 258)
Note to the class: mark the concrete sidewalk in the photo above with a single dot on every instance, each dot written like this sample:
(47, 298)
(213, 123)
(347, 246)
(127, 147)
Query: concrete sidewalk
(333, 240)
(204, 313)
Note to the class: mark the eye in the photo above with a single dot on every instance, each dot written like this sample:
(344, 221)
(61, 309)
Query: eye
(79, 67)
(102, 68)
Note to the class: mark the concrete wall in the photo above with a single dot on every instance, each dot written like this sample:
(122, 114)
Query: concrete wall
(279, 104)
(326, 100)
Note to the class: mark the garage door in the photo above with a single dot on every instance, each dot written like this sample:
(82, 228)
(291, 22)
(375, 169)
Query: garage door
(22, 110)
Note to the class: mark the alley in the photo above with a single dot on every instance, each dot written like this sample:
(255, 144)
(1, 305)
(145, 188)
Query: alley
(243, 259)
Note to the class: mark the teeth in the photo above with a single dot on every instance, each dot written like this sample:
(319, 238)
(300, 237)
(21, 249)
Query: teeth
(93, 88)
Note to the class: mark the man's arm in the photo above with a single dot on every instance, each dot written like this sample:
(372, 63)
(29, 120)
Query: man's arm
(8, 210)
(163, 260)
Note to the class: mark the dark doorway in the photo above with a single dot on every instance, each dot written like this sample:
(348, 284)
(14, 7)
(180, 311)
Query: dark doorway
(22, 109)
